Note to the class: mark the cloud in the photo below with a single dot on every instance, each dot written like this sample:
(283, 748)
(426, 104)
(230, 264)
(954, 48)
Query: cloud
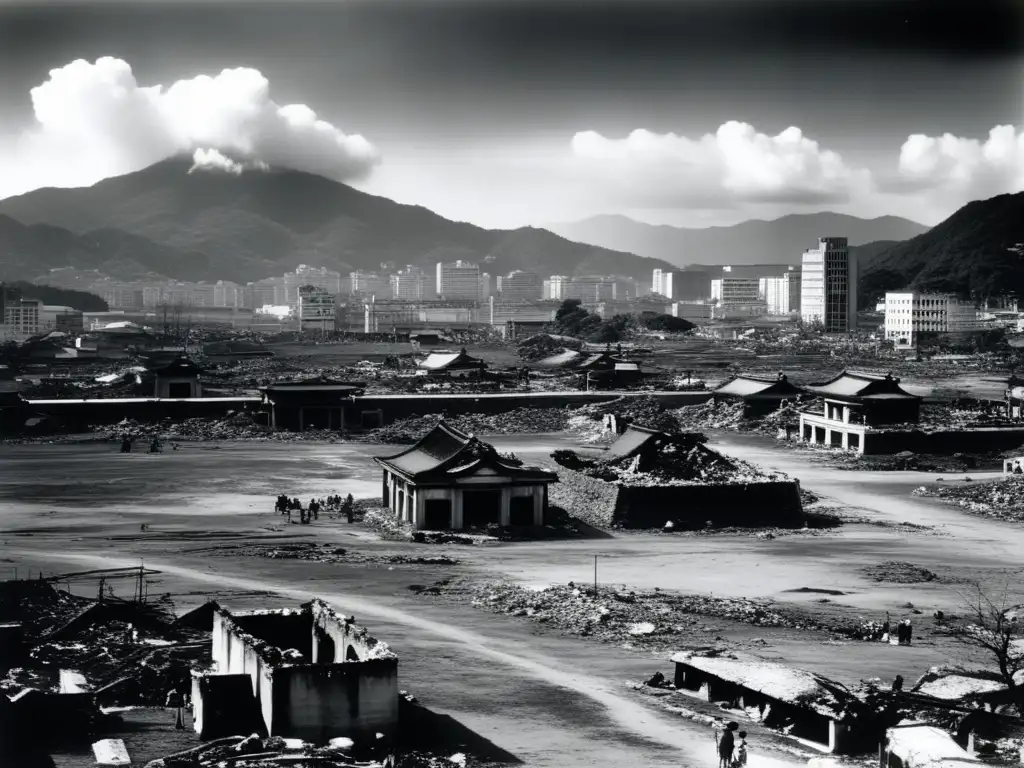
(94, 120)
(955, 167)
(213, 160)
(734, 165)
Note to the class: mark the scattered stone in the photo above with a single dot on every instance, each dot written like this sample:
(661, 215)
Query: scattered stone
(896, 572)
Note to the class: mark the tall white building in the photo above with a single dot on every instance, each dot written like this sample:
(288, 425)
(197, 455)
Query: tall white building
(521, 286)
(557, 287)
(735, 290)
(828, 291)
(664, 282)
(909, 313)
(22, 318)
(458, 280)
(781, 293)
(409, 284)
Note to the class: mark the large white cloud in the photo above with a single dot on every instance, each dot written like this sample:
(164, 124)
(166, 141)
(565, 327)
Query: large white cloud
(961, 167)
(94, 120)
(736, 164)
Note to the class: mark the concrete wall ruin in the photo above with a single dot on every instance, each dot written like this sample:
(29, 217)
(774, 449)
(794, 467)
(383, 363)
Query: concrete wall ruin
(749, 505)
(315, 675)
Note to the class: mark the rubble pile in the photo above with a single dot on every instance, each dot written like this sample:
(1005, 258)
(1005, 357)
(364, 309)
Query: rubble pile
(616, 614)
(330, 553)
(710, 415)
(1002, 499)
(898, 572)
(137, 647)
(949, 418)
(644, 411)
(518, 421)
(239, 426)
(683, 459)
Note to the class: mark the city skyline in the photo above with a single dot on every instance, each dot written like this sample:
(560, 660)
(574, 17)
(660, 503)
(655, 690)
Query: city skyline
(513, 113)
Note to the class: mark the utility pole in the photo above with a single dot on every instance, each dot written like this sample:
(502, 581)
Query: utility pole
(595, 576)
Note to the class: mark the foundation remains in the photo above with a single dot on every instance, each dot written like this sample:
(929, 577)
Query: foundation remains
(309, 674)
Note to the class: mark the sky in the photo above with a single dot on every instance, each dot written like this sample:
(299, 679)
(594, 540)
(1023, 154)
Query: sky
(516, 112)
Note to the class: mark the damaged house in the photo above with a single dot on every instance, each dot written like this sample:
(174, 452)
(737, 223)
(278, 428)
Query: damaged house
(803, 704)
(308, 674)
(648, 477)
(451, 480)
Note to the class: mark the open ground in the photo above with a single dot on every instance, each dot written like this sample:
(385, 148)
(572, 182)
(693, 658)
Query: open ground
(548, 699)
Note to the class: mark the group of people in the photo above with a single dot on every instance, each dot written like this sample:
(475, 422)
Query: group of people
(155, 446)
(310, 512)
(732, 747)
(904, 631)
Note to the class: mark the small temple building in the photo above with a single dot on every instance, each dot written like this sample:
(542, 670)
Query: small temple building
(452, 480)
(857, 406)
(759, 394)
(177, 379)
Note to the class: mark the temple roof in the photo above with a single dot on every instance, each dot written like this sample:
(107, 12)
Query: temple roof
(857, 385)
(754, 387)
(181, 366)
(440, 361)
(445, 453)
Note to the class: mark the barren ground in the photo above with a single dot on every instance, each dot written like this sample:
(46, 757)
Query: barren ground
(545, 698)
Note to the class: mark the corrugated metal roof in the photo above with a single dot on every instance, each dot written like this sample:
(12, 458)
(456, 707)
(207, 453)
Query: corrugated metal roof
(767, 677)
(631, 441)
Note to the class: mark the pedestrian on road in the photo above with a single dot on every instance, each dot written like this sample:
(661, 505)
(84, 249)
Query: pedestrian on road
(741, 751)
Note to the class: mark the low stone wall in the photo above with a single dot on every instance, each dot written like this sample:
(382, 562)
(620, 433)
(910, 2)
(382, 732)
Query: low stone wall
(689, 507)
(964, 441)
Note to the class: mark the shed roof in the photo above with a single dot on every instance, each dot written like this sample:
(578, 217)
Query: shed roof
(439, 361)
(777, 681)
(604, 359)
(445, 453)
(633, 440)
(925, 745)
(747, 386)
(859, 385)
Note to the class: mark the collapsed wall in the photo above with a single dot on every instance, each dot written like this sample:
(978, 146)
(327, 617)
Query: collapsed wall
(313, 675)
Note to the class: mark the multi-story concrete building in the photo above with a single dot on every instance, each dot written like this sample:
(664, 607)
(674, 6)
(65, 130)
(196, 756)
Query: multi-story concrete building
(21, 317)
(781, 294)
(268, 292)
(557, 287)
(910, 313)
(120, 295)
(321, 277)
(694, 311)
(487, 285)
(409, 284)
(316, 309)
(828, 292)
(591, 288)
(458, 280)
(521, 286)
(661, 283)
(369, 283)
(736, 290)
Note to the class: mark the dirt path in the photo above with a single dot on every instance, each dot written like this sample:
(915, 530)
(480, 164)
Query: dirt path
(693, 743)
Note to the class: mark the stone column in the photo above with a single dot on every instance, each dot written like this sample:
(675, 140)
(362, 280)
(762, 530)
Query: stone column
(846, 441)
(538, 505)
(456, 497)
(846, 414)
(394, 494)
(506, 506)
(828, 436)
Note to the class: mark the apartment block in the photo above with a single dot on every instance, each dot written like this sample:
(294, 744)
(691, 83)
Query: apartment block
(368, 283)
(781, 294)
(316, 309)
(521, 286)
(458, 280)
(828, 292)
(409, 284)
(909, 314)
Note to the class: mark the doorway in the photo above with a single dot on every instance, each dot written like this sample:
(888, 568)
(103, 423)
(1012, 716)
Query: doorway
(481, 508)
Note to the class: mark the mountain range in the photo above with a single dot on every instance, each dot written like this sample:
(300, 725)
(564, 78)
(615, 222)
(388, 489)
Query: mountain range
(978, 251)
(781, 241)
(213, 225)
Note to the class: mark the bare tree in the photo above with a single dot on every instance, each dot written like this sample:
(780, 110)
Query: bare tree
(995, 626)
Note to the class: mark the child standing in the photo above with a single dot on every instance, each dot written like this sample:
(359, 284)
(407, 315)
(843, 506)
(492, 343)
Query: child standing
(741, 750)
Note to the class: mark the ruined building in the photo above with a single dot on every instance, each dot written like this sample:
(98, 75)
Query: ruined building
(308, 673)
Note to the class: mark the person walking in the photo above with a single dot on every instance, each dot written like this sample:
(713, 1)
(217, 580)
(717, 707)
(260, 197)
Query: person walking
(910, 631)
(177, 702)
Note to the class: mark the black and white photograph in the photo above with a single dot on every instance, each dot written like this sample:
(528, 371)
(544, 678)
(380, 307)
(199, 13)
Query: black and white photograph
(495, 383)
